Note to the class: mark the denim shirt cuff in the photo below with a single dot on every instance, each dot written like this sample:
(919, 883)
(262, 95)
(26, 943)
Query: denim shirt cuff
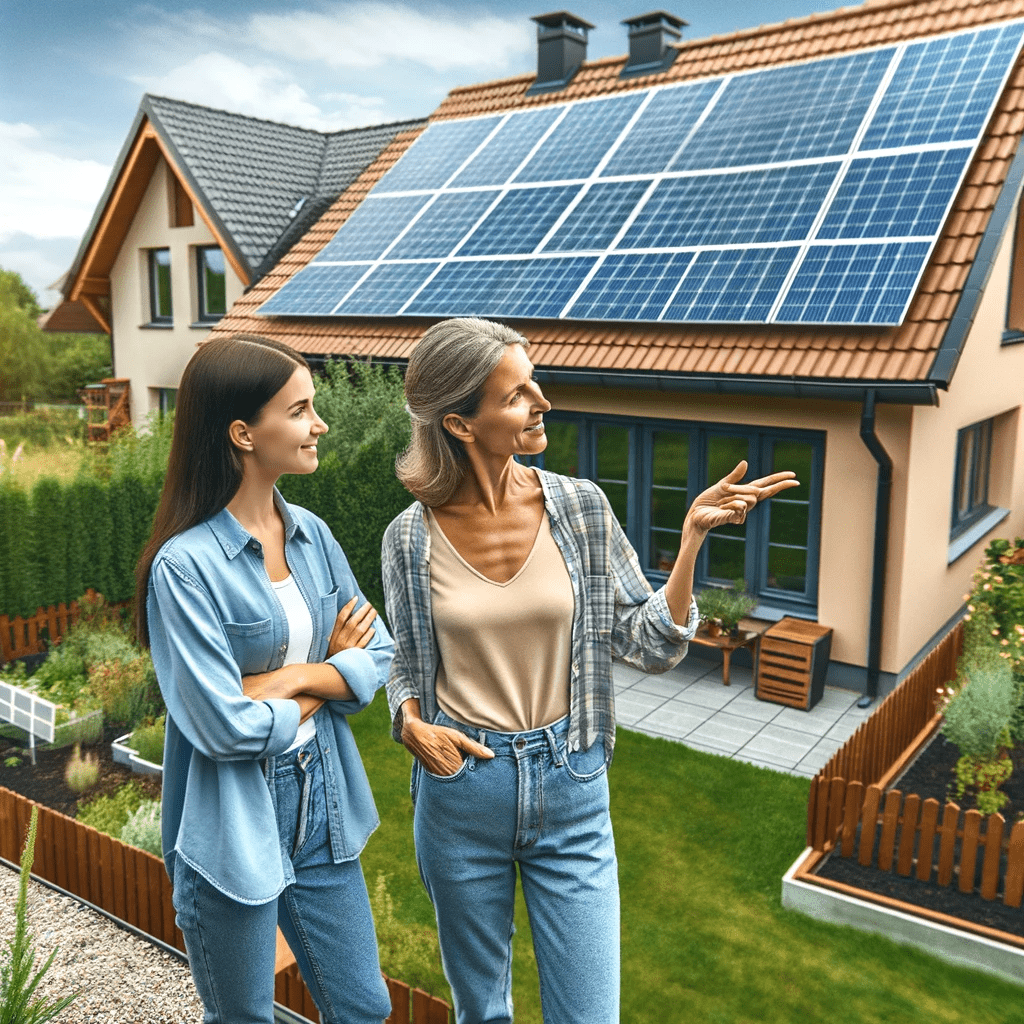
(671, 628)
(359, 670)
(286, 724)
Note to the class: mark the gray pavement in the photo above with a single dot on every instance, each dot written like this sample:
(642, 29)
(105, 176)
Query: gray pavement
(689, 704)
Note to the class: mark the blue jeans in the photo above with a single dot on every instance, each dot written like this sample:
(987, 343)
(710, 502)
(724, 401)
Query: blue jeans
(535, 806)
(325, 916)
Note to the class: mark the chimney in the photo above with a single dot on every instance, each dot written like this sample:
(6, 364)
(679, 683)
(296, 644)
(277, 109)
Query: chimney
(650, 39)
(561, 49)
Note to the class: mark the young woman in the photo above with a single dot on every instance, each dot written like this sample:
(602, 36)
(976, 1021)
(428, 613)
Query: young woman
(509, 590)
(263, 646)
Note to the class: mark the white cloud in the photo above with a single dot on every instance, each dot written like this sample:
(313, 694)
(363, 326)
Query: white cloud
(42, 194)
(365, 35)
(216, 80)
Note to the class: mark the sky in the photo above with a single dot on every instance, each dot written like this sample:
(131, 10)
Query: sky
(72, 74)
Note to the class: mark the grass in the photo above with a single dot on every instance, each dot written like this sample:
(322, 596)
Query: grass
(703, 843)
(59, 461)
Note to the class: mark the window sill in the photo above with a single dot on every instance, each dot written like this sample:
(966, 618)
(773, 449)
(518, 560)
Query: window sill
(1012, 338)
(157, 325)
(204, 325)
(966, 540)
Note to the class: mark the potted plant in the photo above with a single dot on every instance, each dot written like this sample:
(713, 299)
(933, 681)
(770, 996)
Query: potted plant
(721, 608)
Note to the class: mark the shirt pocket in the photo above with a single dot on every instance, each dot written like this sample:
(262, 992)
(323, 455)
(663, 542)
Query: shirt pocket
(251, 644)
(330, 605)
(600, 607)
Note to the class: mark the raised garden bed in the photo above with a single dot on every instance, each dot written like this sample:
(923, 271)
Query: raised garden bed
(123, 753)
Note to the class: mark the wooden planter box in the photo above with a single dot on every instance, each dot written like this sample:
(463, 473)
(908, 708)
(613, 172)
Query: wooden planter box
(852, 812)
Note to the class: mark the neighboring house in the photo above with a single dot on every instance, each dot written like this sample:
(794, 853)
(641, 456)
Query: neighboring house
(201, 204)
(877, 350)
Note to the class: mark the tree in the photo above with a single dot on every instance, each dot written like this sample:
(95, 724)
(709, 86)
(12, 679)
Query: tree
(51, 367)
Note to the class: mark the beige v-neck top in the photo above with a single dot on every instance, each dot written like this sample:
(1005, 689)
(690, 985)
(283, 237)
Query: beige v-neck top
(504, 647)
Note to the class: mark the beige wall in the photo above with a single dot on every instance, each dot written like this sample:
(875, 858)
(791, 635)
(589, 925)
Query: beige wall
(153, 357)
(848, 496)
(988, 382)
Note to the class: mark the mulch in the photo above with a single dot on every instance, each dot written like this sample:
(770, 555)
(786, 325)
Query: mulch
(931, 775)
(44, 781)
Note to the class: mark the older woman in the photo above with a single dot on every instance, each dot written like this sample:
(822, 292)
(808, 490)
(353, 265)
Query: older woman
(509, 589)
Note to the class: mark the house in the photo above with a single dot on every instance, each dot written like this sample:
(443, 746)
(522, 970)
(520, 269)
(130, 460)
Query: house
(199, 205)
(796, 244)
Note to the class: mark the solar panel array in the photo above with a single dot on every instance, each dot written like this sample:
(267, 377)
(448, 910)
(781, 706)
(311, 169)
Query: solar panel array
(809, 193)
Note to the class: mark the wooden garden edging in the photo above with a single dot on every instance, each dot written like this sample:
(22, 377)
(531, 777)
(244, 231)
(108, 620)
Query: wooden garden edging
(132, 885)
(850, 812)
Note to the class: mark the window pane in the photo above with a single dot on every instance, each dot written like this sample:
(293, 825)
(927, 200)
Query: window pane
(964, 461)
(981, 460)
(160, 283)
(726, 556)
(670, 458)
(789, 521)
(562, 452)
(797, 456)
(613, 468)
(787, 568)
(212, 270)
(726, 544)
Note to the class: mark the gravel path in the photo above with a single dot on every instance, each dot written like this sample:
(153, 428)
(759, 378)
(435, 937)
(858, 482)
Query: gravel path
(122, 979)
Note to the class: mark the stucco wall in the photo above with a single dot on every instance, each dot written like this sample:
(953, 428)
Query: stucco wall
(988, 382)
(154, 357)
(848, 495)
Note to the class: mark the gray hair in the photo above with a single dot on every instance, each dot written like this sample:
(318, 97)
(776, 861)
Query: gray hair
(447, 373)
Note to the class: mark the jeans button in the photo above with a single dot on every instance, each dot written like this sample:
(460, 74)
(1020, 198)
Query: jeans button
(520, 743)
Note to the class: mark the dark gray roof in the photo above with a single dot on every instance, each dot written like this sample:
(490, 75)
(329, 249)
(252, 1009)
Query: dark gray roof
(265, 182)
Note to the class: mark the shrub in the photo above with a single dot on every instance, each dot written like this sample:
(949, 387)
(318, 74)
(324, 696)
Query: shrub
(124, 689)
(148, 741)
(17, 564)
(407, 951)
(142, 829)
(355, 490)
(977, 721)
(725, 605)
(109, 813)
(81, 773)
(17, 981)
(43, 428)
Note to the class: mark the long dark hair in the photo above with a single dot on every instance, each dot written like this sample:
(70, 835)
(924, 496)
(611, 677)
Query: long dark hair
(226, 380)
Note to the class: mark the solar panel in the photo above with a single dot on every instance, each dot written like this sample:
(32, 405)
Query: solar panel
(808, 193)
(437, 154)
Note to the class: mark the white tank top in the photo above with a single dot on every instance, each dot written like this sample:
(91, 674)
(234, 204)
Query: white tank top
(300, 639)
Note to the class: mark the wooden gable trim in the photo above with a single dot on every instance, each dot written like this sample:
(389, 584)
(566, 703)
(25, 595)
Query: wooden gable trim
(93, 276)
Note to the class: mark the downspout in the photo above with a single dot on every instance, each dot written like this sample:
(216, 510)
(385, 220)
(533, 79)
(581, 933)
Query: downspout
(883, 495)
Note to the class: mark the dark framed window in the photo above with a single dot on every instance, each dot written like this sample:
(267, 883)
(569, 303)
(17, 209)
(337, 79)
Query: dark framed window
(168, 399)
(971, 479)
(652, 469)
(160, 311)
(211, 290)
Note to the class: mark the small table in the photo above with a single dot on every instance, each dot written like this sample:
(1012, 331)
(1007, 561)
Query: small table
(727, 644)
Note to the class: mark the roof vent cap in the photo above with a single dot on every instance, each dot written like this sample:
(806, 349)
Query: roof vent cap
(650, 42)
(561, 50)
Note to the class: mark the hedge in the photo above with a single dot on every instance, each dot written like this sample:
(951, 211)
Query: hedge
(62, 539)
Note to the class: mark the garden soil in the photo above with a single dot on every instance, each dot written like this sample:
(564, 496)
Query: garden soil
(931, 775)
(44, 782)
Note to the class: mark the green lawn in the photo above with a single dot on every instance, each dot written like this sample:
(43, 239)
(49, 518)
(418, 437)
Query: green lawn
(703, 843)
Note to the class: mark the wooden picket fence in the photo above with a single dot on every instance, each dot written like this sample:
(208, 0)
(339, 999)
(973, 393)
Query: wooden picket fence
(893, 734)
(20, 636)
(133, 886)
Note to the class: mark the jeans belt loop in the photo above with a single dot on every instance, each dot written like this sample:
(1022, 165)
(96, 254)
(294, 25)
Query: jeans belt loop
(553, 743)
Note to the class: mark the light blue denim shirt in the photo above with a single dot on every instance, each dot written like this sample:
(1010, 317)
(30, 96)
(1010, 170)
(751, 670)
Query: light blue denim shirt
(617, 612)
(213, 618)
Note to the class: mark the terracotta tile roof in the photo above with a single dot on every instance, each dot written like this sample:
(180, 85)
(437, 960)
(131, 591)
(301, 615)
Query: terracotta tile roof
(900, 354)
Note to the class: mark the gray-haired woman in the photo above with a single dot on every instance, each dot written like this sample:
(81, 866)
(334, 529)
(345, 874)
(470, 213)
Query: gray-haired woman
(508, 590)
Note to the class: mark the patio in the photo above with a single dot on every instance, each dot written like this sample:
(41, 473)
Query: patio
(689, 704)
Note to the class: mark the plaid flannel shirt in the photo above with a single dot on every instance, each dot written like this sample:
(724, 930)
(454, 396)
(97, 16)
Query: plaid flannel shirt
(616, 610)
